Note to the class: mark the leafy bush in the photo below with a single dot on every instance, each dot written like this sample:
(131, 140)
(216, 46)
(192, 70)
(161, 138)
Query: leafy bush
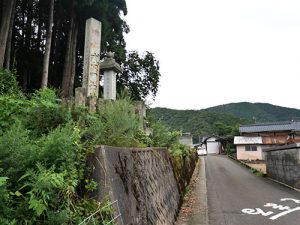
(143, 139)
(120, 123)
(11, 108)
(178, 149)
(40, 114)
(42, 175)
(94, 129)
(163, 137)
(4, 196)
(8, 83)
(17, 152)
(44, 113)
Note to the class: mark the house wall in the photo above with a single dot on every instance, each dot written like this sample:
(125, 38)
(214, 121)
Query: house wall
(213, 147)
(186, 140)
(274, 138)
(242, 154)
(283, 164)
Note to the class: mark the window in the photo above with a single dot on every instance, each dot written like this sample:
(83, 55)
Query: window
(252, 148)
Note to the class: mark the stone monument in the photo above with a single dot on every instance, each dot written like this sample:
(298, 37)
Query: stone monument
(91, 66)
(110, 69)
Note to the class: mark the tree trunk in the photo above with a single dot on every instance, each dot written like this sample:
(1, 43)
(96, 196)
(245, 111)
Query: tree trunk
(39, 27)
(9, 38)
(68, 55)
(4, 28)
(48, 48)
(73, 61)
(28, 31)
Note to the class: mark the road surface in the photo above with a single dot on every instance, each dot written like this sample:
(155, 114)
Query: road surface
(237, 197)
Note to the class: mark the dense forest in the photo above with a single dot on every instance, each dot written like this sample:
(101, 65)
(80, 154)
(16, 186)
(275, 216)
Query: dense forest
(43, 41)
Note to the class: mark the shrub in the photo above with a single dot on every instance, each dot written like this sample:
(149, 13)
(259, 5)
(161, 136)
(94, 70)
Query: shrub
(178, 149)
(11, 109)
(17, 152)
(44, 113)
(120, 123)
(8, 83)
(4, 196)
(143, 139)
(61, 147)
(163, 137)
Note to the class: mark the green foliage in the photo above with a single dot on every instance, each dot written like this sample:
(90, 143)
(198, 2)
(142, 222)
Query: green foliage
(44, 113)
(141, 75)
(43, 151)
(17, 152)
(44, 173)
(198, 122)
(39, 114)
(42, 184)
(120, 123)
(222, 129)
(8, 83)
(64, 141)
(257, 172)
(11, 109)
(43, 154)
(257, 112)
(178, 149)
(143, 139)
(141, 72)
(4, 199)
(161, 136)
(41, 173)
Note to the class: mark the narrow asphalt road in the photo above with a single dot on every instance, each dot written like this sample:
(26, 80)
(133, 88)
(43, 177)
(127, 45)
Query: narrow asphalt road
(238, 197)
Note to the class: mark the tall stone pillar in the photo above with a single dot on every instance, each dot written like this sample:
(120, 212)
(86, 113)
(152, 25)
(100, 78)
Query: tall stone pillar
(110, 69)
(91, 66)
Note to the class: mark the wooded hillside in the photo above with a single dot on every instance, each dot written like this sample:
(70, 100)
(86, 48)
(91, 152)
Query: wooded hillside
(198, 122)
(223, 119)
(257, 112)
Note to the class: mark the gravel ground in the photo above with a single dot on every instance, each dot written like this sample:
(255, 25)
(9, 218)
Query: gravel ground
(194, 207)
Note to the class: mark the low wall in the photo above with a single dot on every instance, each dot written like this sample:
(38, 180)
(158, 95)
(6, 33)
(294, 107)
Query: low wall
(183, 168)
(142, 180)
(283, 164)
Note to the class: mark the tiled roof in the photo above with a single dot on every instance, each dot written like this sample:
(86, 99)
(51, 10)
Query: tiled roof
(276, 126)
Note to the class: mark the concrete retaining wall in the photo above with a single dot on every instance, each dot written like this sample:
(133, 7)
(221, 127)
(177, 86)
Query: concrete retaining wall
(142, 180)
(183, 168)
(283, 164)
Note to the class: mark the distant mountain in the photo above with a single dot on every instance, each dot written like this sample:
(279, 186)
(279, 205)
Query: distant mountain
(198, 122)
(257, 112)
(222, 119)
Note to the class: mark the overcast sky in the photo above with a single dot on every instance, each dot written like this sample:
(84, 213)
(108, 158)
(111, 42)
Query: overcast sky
(214, 52)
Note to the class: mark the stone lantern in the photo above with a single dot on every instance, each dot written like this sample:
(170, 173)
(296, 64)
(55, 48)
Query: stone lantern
(110, 68)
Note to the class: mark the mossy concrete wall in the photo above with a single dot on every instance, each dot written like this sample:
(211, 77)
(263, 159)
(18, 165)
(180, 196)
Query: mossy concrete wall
(142, 180)
(283, 164)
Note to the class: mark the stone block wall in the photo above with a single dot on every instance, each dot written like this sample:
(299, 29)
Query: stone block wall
(283, 164)
(183, 168)
(142, 180)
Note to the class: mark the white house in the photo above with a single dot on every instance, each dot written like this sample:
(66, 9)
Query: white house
(256, 138)
(213, 144)
(186, 139)
(249, 148)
